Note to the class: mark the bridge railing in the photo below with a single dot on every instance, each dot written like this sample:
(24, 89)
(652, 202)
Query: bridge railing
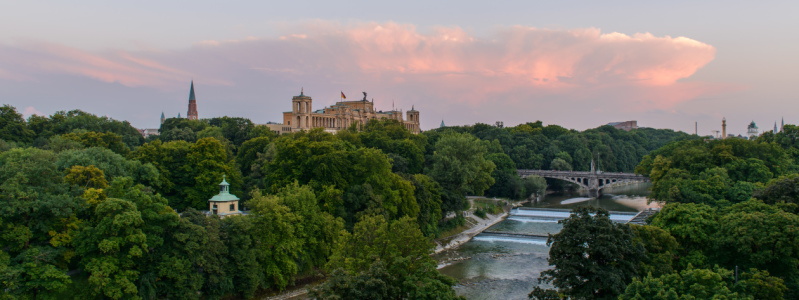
(602, 175)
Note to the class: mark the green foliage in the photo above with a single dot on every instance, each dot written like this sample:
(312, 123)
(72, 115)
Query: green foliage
(660, 248)
(13, 127)
(460, 166)
(688, 284)
(593, 257)
(713, 172)
(89, 139)
(78, 121)
(386, 260)
(190, 172)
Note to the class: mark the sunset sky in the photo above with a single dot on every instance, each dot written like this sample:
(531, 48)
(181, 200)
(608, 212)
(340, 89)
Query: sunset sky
(578, 64)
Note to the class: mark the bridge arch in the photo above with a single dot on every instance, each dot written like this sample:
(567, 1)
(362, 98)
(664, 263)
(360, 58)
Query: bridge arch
(594, 181)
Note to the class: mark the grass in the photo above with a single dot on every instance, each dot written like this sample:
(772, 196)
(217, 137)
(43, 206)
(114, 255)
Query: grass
(488, 206)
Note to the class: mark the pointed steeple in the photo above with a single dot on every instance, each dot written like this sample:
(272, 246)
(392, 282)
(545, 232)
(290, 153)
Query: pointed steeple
(162, 115)
(782, 124)
(178, 115)
(191, 93)
(442, 124)
(775, 127)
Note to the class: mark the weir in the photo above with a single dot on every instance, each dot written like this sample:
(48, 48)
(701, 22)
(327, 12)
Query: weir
(559, 214)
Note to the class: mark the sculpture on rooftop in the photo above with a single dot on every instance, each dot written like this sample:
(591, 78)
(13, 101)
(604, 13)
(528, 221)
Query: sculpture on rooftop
(364, 96)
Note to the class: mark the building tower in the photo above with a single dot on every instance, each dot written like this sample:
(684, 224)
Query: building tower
(723, 128)
(775, 128)
(301, 106)
(162, 118)
(192, 114)
(751, 130)
(413, 117)
(782, 124)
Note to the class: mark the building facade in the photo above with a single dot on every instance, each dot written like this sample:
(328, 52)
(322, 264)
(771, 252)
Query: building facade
(342, 115)
(627, 125)
(224, 204)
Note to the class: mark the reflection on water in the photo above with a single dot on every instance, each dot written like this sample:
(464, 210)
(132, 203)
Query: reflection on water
(507, 267)
(630, 198)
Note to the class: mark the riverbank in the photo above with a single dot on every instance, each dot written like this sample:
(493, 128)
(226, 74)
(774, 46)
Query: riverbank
(453, 241)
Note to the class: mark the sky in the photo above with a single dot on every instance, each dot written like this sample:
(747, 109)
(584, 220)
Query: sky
(577, 64)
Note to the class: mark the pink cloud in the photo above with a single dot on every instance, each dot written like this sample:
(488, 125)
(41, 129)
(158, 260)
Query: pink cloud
(448, 63)
(30, 110)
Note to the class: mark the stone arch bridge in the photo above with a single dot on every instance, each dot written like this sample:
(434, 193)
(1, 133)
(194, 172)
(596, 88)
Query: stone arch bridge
(593, 181)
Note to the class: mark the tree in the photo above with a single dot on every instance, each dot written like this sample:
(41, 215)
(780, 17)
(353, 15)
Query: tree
(396, 253)
(593, 257)
(112, 247)
(13, 127)
(688, 284)
(753, 234)
(459, 165)
(693, 226)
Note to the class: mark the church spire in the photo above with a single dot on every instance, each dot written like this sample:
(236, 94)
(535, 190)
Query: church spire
(191, 93)
(192, 113)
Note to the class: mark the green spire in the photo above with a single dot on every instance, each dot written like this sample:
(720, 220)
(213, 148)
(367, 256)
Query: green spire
(442, 124)
(191, 93)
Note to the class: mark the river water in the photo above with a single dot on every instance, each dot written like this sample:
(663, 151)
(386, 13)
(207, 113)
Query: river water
(495, 266)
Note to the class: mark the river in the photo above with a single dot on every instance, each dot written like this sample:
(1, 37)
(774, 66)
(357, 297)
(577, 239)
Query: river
(493, 266)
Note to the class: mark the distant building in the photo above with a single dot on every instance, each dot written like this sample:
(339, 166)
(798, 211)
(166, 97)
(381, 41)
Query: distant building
(146, 132)
(224, 204)
(277, 127)
(342, 115)
(751, 130)
(442, 124)
(627, 125)
(192, 113)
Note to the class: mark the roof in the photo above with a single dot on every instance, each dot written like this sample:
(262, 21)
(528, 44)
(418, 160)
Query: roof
(224, 195)
(191, 93)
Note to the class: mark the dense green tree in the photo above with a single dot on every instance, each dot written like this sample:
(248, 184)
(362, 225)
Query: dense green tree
(460, 166)
(693, 226)
(317, 228)
(396, 252)
(753, 234)
(660, 248)
(63, 122)
(688, 284)
(112, 164)
(593, 257)
(111, 248)
(110, 140)
(13, 127)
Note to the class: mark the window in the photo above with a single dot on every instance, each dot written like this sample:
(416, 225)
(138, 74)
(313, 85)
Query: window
(233, 207)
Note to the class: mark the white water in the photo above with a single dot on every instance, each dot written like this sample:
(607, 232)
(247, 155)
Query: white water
(521, 240)
(524, 219)
(549, 214)
(575, 200)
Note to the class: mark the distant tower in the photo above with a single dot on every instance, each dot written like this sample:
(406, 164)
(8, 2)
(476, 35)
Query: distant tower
(723, 128)
(192, 114)
(302, 107)
(162, 117)
(178, 115)
(775, 128)
(413, 117)
(442, 124)
(752, 130)
(782, 124)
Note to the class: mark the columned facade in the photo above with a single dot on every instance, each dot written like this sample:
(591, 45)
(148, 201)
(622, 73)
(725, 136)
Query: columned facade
(342, 115)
